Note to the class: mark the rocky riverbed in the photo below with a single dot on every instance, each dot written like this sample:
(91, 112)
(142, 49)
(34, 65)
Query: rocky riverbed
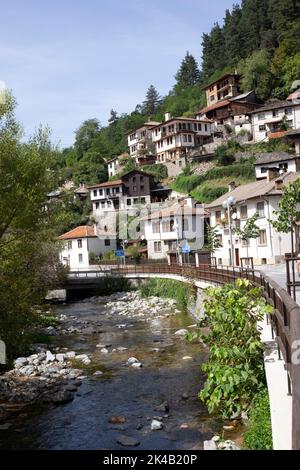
(117, 373)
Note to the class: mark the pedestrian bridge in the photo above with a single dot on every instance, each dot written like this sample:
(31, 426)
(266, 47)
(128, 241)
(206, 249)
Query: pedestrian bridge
(285, 323)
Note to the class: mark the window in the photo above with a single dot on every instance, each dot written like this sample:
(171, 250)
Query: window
(262, 128)
(275, 113)
(143, 200)
(288, 111)
(101, 192)
(79, 243)
(80, 258)
(245, 243)
(157, 247)
(199, 127)
(128, 202)
(136, 200)
(155, 227)
(185, 225)
(260, 208)
(142, 187)
(69, 245)
(134, 189)
(97, 205)
(219, 239)
(107, 242)
(262, 240)
(218, 216)
(261, 116)
(189, 138)
(206, 127)
(103, 205)
(117, 190)
(244, 212)
(166, 226)
(95, 192)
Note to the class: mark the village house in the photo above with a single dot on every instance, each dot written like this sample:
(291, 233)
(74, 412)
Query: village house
(260, 197)
(169, 229)
(274, 119)
(140, 144)
(176, 136)
(83, 242)
(226, 86)
(115, 165)
(278, 162)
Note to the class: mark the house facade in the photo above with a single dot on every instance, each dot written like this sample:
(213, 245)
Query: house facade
(260, 197)
(278, 162)
(168, 229)
(274, 117)
(176, 136)
(82, 242)
(225, 87)
(140, 142)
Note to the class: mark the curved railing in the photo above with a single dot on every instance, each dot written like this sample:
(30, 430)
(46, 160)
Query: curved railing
(285, 322)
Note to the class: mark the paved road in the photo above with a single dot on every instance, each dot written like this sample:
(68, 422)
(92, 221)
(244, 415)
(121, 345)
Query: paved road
(278, 274)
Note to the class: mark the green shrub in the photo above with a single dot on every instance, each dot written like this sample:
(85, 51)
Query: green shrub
(186, 184)
(159, 171)
(259, 433)
(169, 289)
(207, 194)
(235, 369)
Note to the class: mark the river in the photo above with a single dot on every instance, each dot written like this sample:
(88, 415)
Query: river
(123, 391)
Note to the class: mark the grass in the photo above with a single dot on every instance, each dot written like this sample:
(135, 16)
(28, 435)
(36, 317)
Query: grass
(212, 189)
(167, 289)
(110, 285)
(240, 172)
(259, 433)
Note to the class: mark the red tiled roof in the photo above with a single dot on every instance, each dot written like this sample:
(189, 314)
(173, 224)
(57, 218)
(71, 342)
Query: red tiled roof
(85, 231)
(107, 184)
(277, 135)
(220, 104)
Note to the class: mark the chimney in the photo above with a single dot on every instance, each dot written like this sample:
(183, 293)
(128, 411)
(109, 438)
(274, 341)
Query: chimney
(272, 173)
(279, 184)
(167, 116)
(231, 186)
(189, 201)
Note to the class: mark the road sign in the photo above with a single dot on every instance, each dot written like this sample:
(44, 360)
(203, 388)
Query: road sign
(120, 253)
(186, 249)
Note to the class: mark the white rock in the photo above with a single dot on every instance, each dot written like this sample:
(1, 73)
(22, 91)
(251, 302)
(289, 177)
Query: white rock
(20, 362)
(71, 354)
(210, 445)
(86, 361)
(137, 365)
(50, 357)
(82, 357)
(60, 357)
(132, 360)
(104, 351)
(181, 332)
(156, 425)
(187, 358)
(98, 373)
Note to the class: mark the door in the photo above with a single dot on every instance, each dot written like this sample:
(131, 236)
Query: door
(237, 257)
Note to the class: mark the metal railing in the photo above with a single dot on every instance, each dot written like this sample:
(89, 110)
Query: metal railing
(285, 322)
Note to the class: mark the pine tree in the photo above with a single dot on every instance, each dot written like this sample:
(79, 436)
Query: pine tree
(152, 101)
(282, 13)
(232, 35)
(188, 74)
(113, 117)
(214, 52)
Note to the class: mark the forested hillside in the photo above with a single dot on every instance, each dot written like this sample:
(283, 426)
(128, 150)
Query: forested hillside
(258, 38)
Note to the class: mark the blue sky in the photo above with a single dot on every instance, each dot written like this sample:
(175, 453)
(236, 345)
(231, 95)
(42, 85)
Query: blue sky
(71, 60)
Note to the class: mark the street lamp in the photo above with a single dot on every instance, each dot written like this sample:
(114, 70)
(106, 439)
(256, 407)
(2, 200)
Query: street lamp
(227, 205)
(124, 243)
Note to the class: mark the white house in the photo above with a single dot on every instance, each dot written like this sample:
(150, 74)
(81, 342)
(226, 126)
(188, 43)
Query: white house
(260, 197)
(168, 229)
(116, 164)
(273, 118)
(176, 136)
(83, 241)
(140, 140)
(280, 162)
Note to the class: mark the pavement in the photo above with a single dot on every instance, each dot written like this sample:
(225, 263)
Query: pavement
(277, 272)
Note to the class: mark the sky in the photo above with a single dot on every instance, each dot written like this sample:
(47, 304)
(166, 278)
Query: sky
(71, 60)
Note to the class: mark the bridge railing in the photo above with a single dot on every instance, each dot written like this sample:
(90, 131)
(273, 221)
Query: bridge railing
(284, 323)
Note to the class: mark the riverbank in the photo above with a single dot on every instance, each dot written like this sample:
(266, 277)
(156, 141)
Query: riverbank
(136, 371)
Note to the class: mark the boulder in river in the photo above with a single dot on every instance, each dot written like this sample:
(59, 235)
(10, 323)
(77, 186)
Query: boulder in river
(62, 397)
(181, 332)
(127, 441)
(156, 425)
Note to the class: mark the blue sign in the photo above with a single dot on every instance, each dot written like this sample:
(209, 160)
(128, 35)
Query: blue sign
(186, 249)
(120, 253)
